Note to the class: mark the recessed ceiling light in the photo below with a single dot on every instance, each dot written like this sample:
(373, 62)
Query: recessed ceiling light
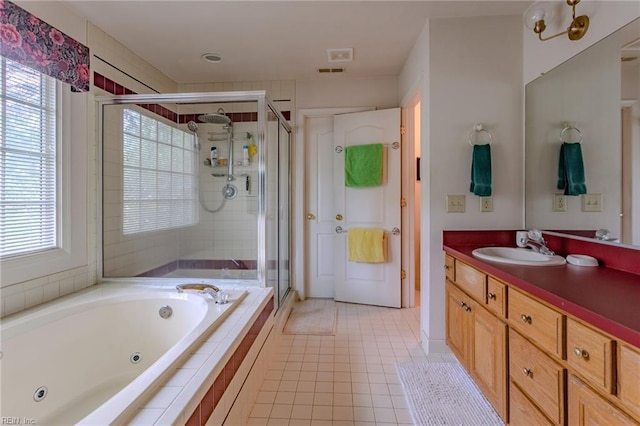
(214, 58)
(344, 54)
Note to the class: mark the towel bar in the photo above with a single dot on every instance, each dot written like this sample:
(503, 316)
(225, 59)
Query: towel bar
(477, 129)
(394, 145)
(567, 128)
(340, 230)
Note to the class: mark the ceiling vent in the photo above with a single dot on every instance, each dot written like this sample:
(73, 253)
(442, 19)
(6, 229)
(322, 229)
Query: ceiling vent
(331, 70)
(344, 54)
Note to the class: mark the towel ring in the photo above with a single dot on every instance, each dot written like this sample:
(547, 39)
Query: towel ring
(570, 128)
(477, 129)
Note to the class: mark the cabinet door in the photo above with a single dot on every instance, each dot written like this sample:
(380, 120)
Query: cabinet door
(457, 319)
(588, 408)
(488, 362)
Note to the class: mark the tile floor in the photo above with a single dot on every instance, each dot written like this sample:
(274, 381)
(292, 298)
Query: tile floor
(346, 379)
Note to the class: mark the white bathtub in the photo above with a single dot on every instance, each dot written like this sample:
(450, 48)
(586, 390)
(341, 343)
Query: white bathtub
(84, 349)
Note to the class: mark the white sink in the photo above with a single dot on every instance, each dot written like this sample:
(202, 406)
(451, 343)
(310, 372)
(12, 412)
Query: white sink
(517, 256)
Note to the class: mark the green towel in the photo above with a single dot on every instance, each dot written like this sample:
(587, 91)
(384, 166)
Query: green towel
(571, 169)
(481, 170)
(363, 165)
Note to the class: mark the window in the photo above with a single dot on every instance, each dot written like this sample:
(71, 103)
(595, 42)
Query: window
(158, 175)
(28, 161)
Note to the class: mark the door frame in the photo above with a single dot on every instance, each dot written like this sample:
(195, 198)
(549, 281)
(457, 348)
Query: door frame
(409, 218)
(299, 152)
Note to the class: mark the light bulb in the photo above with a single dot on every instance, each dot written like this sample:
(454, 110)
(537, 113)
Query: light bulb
(537, 12)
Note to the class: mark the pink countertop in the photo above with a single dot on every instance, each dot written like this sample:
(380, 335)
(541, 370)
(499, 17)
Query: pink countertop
(606, 297)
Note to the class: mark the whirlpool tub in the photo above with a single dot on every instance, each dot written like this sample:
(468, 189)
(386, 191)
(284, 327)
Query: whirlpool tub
(101, 351)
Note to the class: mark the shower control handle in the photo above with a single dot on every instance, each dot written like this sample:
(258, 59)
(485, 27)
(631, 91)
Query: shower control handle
(311, 216)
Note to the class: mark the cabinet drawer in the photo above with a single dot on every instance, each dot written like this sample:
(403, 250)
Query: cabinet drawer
(586, 407)
(590, 353)
(497, 297)
(471, 280)
(538, 322)
(629, 378)
(523, 412)
(539, 377)
(449, 267)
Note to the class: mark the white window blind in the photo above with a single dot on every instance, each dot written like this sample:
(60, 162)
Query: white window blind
(28, 175)
(158, 175)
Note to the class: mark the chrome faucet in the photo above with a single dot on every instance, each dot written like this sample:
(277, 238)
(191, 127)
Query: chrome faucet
(203, 288)
(535, 241)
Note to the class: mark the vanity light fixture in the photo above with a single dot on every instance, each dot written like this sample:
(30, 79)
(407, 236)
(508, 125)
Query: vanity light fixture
(540, 14)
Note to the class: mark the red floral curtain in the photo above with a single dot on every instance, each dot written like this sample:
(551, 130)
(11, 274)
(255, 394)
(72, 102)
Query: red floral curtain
(31, 42)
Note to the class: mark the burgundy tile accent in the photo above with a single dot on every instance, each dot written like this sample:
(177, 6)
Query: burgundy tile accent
(195, 419)
(218, 389)
(286, 115)
(215, 392)
(161, 270)
(98, 80)
(206, 405)
(109, 85)
(254, 116)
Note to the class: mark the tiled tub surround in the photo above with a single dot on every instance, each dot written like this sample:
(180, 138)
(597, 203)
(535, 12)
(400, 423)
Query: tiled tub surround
(608, 297)
(201, 336)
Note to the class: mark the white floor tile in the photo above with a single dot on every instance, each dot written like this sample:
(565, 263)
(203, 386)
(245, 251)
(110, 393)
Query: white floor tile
(348, 379)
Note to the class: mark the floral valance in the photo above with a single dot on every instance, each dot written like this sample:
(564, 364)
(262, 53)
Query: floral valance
(26, 39)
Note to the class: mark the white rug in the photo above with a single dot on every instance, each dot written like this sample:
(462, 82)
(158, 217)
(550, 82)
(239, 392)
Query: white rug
(442, 393)
(313, 316)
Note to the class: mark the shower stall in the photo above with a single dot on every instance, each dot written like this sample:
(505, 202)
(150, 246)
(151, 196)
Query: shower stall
(197, 186)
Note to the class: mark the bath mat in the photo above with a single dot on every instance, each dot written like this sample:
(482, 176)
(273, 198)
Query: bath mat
(312, 316)
(442, 393)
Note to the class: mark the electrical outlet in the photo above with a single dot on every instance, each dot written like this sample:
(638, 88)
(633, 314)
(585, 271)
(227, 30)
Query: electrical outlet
(592, 202)
(559, 203)
(486, 204)
(455, 203)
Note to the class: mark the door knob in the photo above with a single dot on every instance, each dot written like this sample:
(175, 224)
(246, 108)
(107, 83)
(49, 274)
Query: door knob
(338, 216)
(310, 216)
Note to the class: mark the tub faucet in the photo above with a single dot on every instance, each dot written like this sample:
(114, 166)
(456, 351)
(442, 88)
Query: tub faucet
(203, 288)
(535, 241)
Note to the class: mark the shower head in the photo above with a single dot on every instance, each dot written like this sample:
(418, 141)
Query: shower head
(193, 126)
(218, 117)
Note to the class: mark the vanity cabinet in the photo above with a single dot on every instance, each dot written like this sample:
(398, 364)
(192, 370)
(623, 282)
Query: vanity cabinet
(535, 363)
(476, 336)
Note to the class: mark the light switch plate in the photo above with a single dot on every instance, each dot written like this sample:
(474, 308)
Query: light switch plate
(455, 203)
(592, 202)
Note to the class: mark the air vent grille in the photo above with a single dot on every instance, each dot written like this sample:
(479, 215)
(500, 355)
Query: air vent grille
(331, 70)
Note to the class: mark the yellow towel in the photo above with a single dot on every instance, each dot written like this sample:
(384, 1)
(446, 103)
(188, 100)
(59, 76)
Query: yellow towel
(365, 245)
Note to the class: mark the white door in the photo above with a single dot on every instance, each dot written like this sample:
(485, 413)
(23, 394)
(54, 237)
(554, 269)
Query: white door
(319, 206)
(370, 207)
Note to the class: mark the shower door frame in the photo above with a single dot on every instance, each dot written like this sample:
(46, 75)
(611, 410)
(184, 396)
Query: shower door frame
(263, 103)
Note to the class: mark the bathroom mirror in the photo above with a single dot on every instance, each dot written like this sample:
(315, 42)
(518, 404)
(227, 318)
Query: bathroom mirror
(597, 92)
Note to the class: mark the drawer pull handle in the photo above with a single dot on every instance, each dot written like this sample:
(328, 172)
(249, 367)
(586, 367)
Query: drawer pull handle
(525, 319)
(462, 304)
(527, 372)
(581, 353)
(491, 296)
(467, 308)
(446, 267)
